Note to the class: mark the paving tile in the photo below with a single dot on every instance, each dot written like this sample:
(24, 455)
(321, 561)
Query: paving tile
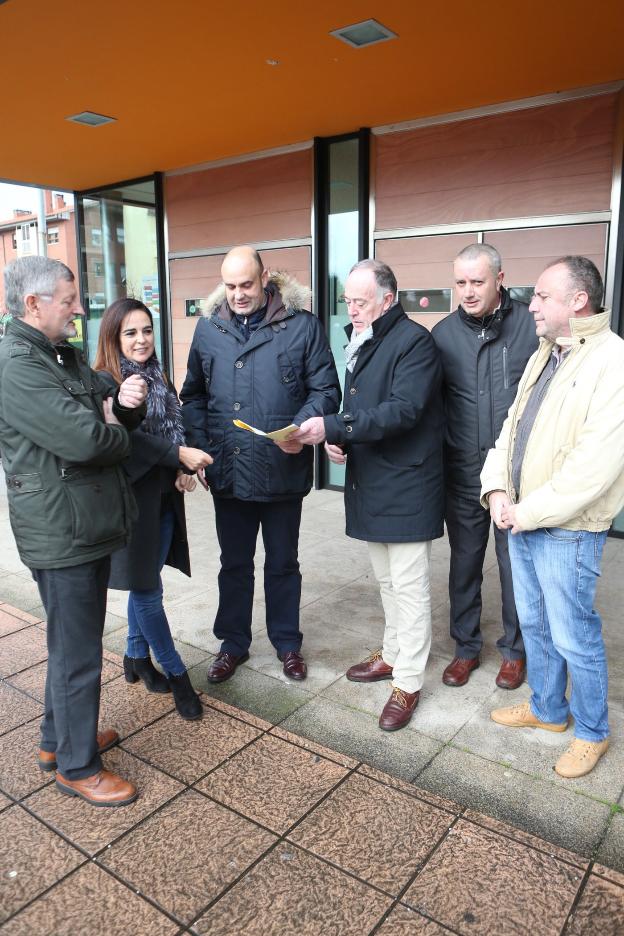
(32, 858)
(374, 831)
(403, 921)
(33, 680)
(315, 748)
(189, 749)
(611, 851)
(5, 802)
(265, 696)
(127, 707)
(93, 828)
(187, 854)
(22, 649)
(22, 615)
(600, 910)
(89, 902)
(615, 876)
(19, 772)
(544, 809)
(236, 712)
(358, 735)
(273, 782)
(480, 882)
(10, 622)
(291, 893)
(533, 841)
(16, 708)
(410, 788)
(535, 751)
(19, 589)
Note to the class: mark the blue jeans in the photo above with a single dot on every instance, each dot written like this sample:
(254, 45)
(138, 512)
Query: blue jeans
(148, 626)
(555, 573)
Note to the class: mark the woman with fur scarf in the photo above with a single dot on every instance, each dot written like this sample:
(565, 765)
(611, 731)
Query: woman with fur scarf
(158, 471)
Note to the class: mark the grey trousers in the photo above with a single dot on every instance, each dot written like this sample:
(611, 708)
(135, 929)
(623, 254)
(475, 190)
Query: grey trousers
(75, 602)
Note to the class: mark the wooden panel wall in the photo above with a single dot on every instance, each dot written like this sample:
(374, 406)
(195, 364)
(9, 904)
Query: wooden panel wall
(525, 253)
(547, 160)
(423, 263)
(260, 200)
(196, 278)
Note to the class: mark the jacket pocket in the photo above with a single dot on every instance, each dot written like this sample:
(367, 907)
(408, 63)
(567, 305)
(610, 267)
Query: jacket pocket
(290, 377)
(97, 505)
(207, 370)
(505, 368)
(215, 447)
(28, 511)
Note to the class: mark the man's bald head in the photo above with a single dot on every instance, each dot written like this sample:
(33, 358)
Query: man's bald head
(244, 278)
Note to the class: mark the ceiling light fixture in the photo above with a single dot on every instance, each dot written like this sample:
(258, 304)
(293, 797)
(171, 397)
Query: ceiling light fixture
(368, 32)
(272, 61)
(90, 119)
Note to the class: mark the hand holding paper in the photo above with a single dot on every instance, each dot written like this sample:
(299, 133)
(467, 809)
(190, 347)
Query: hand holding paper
(277, 435)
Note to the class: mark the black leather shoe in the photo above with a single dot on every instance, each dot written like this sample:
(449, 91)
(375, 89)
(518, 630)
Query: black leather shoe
(294, 665)
(224, 666)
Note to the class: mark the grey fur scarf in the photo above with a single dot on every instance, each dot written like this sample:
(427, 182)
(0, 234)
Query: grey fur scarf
(164, 413)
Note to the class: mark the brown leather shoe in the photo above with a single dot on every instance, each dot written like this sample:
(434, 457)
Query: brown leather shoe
(511, 674)
(398, 709)
(370, 670)
(105, 740)
(224, 666)
(457, 673)
(294, 665)
(102, 789)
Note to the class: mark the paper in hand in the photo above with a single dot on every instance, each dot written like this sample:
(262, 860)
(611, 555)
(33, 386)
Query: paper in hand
(278, 435)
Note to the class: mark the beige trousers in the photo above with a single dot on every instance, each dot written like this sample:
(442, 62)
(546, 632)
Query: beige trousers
(402, 570)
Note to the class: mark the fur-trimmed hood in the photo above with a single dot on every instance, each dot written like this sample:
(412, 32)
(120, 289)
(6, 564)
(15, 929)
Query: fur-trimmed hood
(285, 293)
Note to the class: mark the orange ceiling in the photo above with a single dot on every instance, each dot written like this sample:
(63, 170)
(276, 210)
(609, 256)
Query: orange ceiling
(188, 82)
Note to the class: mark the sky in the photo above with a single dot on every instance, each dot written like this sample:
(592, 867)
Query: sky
(19, 196)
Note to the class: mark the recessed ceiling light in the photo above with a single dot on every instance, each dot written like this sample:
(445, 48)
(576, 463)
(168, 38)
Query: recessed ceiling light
(272, 61)
(90, 119)
(369, 32)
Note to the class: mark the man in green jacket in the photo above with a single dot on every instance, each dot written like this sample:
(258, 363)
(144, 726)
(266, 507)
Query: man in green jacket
(62, 438)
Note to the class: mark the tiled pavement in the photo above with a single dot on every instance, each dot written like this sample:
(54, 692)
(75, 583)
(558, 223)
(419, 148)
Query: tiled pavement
(246, 824)
(242, 827)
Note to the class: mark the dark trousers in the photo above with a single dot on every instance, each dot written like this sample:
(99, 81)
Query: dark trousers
(468, 526)
(75, 602)
(237, 524)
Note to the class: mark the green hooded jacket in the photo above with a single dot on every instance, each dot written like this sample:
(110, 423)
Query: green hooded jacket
(69, 501)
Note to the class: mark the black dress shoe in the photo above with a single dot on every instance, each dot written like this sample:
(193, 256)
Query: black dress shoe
(294, 665)
(224, 666)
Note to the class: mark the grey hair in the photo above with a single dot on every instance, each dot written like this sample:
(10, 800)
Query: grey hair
(31, 276)
(584, 276)
(475, 251)
(384, 277)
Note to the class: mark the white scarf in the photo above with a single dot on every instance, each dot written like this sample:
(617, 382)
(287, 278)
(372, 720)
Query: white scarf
(353, 348)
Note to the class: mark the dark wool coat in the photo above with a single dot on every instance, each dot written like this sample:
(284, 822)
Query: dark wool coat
(482, 368)
(150, 467)
(283, 374)
(392, 432)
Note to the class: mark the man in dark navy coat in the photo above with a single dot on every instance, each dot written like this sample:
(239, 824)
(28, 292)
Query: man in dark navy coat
(259, 357)
(390, 434)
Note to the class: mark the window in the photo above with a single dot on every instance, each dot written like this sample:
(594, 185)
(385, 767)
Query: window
(98, 268)
(14, 240)
(96, 237)
(53, 235)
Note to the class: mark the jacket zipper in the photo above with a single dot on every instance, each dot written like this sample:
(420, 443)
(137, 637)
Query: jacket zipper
(505, 369)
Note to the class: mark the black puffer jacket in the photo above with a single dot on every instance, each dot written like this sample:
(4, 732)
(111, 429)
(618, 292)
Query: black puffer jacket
(392, 432)
(283, 374)
(482, 364)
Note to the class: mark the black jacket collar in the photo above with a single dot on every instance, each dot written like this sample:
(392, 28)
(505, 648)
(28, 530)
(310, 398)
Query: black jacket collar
(383, 324)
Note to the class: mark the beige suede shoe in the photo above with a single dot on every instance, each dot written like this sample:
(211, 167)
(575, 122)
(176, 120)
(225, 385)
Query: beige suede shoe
(580, 758)
(521, 716)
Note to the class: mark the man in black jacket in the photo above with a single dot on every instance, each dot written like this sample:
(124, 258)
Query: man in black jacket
(484, 346)
(260, 358)
(391, 435)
